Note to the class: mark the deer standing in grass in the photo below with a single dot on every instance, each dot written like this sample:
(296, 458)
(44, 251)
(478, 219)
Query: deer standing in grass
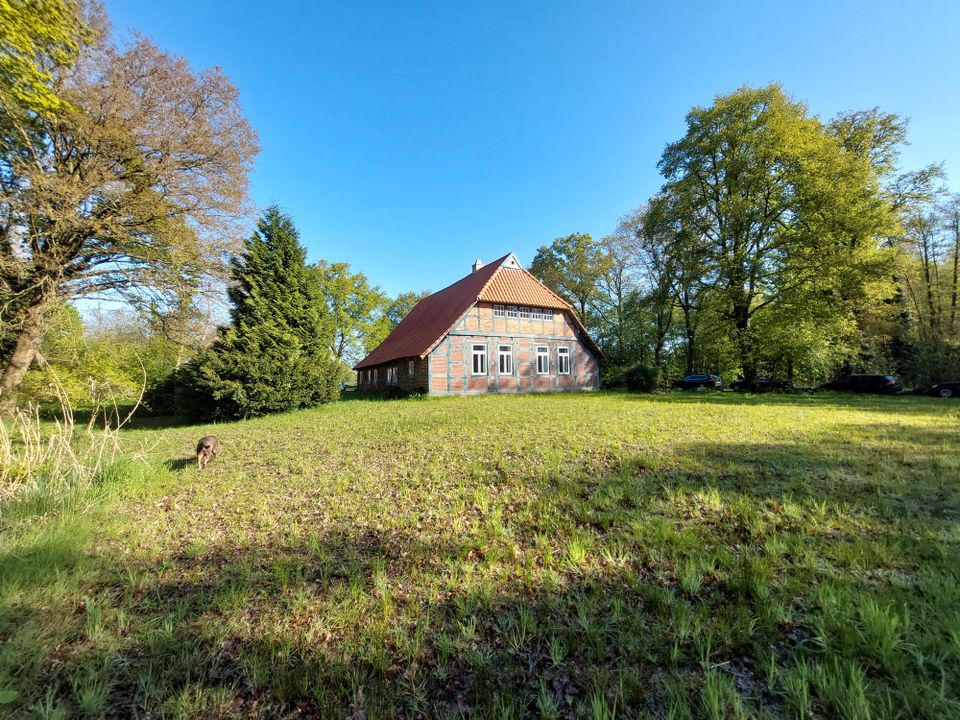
(207, 450)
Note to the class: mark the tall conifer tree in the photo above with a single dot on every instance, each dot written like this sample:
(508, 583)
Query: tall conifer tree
(275, 354)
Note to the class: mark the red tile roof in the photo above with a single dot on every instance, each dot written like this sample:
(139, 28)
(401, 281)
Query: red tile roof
(434, 316)
(518, 287)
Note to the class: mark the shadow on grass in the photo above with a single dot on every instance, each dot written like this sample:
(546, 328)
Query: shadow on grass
(234, 631)
(141, 421)
(900, 403)
(637, 584)
(181, 463)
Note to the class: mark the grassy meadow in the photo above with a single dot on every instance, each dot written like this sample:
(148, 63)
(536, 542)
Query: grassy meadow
(554, 556)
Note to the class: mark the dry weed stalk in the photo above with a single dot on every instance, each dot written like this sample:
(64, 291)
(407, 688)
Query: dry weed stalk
(56, 457)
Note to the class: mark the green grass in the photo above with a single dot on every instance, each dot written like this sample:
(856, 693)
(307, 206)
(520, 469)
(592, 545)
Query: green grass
(589, 556)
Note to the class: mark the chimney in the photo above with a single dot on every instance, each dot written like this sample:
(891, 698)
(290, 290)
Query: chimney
(477, 265)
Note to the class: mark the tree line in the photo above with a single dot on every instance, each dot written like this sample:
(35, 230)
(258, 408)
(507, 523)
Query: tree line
(124, 177)
(779, 244)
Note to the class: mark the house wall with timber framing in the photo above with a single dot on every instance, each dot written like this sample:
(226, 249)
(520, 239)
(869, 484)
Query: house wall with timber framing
(453, 369)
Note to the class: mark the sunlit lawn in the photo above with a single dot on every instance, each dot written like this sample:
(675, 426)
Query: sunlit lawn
(590, 556)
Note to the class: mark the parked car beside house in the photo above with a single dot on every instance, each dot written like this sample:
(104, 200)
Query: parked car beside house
(949, 389)
(875, 384)
(698, 382)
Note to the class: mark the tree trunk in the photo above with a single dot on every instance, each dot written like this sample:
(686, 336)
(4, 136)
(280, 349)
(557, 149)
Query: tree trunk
(689, 336)
(741, 316)
(22, 356)
(934, 321)
(663, 327)
(956, 275)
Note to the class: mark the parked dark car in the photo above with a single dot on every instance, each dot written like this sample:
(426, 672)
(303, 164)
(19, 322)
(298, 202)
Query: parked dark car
(764, 384)
(949, 389)
(698, 382)
(877, 384)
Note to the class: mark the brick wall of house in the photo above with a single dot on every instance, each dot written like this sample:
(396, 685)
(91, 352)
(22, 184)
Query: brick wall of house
(418, 380)
(451, 368)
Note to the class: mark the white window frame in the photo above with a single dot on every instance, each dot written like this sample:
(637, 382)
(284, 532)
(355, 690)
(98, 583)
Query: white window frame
(543, 352)
(505, 353)
(525, 313)
(411, 368)
(478, 351)
(375, 376)
(512, 311)
(547, 314)
(563, 359)
(499, 311)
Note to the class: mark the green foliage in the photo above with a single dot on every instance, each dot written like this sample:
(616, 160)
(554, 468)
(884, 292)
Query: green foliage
(930, 360)
(641, 378)
(638, 377)
(108, 365)
(355, 307)
(572, 266)
(777, 209)
(275, 355)
(35, 35)
(400, 307)
(927, 334)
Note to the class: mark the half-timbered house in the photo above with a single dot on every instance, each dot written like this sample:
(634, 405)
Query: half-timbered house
(498, 329)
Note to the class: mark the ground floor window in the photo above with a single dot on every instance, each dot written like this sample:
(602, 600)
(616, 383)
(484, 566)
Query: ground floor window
(375, 375)
(479, 356)
(543, 360)
(410, 368)
(505, 360)
(563, 361)
(391, 376)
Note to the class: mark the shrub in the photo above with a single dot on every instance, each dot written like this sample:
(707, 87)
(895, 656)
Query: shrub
(394, 392)
(613, 376)
(160, 396)
(641, 378)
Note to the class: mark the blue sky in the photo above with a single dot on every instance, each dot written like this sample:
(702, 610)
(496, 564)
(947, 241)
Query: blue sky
(410, 138)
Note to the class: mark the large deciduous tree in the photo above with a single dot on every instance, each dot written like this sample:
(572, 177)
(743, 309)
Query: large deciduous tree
(775, 204)
(950, 210)
(393, 314)
(355, 308)
(400, 307)
(133, 186)
(275, 355)
(572, 266)
(616, 286)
